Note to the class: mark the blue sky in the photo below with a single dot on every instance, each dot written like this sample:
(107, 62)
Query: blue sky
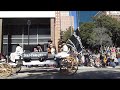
(85, 16)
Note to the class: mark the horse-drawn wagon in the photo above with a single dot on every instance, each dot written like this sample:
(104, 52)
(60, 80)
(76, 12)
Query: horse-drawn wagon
(68, 63)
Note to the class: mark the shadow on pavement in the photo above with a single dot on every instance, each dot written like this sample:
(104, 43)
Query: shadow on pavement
(39, 71)
(105, 74)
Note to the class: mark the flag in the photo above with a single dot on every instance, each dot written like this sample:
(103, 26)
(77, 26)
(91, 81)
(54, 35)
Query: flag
(75, 41)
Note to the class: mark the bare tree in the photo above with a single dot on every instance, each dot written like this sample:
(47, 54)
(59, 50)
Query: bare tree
(101, 37)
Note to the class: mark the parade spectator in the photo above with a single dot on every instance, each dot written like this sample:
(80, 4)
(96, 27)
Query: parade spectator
(105, 60)
(53, 49)
(108, 52)
(39, 48)
(49, 43)
(113, 52)
(2, 57)
(49, 50)
(116, 61)
(112, 63)
(86, 58)
(118, 50)
(108, 59)
(82, 60)
(35, 49)
(119, 61)
(101, 57)
(49, 46)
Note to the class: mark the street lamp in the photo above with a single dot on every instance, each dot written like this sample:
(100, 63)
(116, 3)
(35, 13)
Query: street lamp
(28, 23)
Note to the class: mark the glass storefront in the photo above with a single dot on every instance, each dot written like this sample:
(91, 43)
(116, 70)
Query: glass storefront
(18, 31)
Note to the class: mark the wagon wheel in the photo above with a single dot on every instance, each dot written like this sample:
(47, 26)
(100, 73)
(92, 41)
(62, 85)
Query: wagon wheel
(13, 70)
(69, 66)
(5, 70)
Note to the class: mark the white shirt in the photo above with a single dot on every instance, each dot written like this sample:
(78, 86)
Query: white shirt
(64, 52)
(52, 51)
(65, 48)
(19, 50)
(115, 60)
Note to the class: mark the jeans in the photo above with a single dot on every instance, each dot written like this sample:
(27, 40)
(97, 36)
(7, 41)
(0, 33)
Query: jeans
(112, 64)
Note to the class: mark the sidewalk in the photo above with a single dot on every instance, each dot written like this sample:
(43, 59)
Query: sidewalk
(112, 67)
(86, 67)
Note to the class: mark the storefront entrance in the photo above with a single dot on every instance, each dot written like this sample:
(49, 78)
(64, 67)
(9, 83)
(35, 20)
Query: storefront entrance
(28, 32)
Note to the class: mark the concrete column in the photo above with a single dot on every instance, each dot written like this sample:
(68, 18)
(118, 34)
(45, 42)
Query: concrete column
(0, 35)
(57, 36)
(52, 27)
(57, 28)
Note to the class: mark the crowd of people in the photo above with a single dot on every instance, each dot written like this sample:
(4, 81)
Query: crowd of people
(109, 56)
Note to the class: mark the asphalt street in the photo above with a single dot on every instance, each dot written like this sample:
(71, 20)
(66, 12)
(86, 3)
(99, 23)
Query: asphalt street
(53, 73)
